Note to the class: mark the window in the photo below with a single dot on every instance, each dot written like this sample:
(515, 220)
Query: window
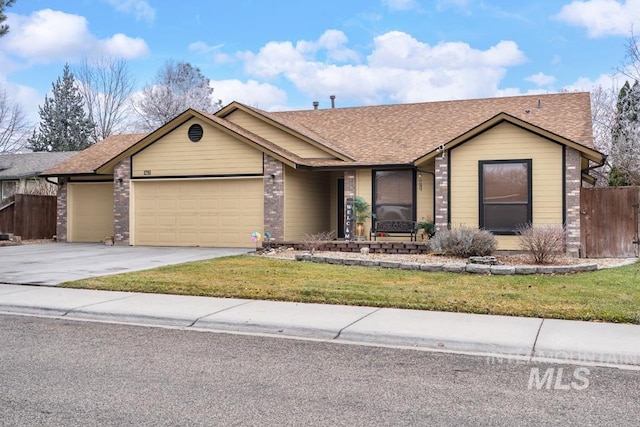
(7, 189)
(393, 195)
(505, 195)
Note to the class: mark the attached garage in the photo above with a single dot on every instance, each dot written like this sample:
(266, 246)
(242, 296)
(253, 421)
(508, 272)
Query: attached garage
(90, 211)
(197, 212)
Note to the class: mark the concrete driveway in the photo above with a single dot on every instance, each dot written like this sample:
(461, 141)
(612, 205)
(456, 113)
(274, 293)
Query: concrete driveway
(53, 263)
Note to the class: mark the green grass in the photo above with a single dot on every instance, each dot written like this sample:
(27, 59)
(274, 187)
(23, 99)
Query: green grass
(611, 295)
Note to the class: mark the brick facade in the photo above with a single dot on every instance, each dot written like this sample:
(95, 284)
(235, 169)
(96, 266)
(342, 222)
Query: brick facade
(61, 221)
(121, 195)
(442, 192)
(273, 197)
(573, 182)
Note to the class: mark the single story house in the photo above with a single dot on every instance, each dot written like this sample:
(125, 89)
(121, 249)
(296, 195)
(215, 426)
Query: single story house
(20, 172)
(212, 179)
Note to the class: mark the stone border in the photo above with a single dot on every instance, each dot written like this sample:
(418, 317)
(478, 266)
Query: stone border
(504, 270)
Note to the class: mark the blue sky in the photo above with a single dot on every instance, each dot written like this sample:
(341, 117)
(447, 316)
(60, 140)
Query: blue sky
(285, 54)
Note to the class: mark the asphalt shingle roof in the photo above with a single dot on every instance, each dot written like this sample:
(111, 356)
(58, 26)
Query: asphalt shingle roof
(401, 133)
(385, 134)
(15, 166)
(87, 161)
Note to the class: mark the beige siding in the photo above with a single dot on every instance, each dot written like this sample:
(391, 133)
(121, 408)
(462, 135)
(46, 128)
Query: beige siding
(364, 188)
(333, 197)
(90, 211)
(212, 212)
(277, 136)
(307, 203)
(217, 153)
(506, 142)
(424, 195)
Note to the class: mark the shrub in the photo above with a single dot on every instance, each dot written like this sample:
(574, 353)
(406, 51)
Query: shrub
(464, 242)
(542, 242)
(313, 241)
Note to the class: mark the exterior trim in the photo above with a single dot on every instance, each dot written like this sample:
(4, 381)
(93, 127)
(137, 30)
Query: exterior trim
(163, 177)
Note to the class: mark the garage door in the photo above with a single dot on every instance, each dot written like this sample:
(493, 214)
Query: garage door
(216, 213)
(90, 212)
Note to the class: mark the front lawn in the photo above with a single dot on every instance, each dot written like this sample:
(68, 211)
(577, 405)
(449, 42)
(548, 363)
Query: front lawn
(611, 295)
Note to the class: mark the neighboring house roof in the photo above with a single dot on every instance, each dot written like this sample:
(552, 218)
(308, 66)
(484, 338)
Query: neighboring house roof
(89, 160)
(23, 165)
(399, 134)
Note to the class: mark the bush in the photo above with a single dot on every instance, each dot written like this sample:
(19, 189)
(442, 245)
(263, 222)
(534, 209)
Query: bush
(464, 242)
(542, 242)
(313, 241)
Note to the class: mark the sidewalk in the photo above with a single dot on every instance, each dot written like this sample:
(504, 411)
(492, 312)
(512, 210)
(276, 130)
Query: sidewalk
(525, 338)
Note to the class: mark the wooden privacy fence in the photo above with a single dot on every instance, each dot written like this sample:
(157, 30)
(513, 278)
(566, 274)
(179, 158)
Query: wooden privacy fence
(610, 222)
(28, 216)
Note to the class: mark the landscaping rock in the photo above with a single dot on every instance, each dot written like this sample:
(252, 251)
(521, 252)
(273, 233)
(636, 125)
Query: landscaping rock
(431, 267)
(545, 270)
(369, 263)
(487, 260)
(338, 261)
(349, 261)
(390, 264)
(563, 269)
(454, 268)
(478, 268)
(525, 269)
(410, 266)
(502, 270)
(585, 267)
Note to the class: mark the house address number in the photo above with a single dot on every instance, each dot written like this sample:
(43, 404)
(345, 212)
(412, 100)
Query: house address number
(147, 172)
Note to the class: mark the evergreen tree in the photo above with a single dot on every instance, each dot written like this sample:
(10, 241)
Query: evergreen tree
(625, 141)
(64, 125)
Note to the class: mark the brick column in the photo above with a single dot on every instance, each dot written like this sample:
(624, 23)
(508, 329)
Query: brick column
(62, 218)
(573, 181)
(349, 197)
(442, 193)
(121, 196)
(273, 197)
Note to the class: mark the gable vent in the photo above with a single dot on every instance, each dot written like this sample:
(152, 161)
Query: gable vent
(195, 132)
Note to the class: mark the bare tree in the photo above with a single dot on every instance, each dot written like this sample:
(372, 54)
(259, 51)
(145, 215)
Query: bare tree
(13, 125)
(106, 85)
(603, 112)
(177, 87)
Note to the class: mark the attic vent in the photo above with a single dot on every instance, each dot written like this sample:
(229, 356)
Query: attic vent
(195, 133)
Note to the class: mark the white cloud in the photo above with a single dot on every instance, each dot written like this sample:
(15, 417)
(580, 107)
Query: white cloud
(48, 35)
(260, 95)
(541, 79)
(399, 68)
(139, 8)
(400, 4)
(584, 84)
(602, 17)
(202, 47)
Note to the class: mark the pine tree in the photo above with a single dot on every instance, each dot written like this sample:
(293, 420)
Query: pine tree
(625, 141)
(64, 124)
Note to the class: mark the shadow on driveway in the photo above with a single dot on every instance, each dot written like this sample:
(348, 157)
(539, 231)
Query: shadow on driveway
(53, 263)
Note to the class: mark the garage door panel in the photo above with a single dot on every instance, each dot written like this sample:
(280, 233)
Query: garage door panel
(90, 211)
(198, 212)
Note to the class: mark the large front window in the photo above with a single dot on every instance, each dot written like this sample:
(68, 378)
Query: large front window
(393, 195)
(505, 195)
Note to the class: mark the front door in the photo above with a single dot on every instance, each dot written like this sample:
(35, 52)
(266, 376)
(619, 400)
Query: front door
(340, 201)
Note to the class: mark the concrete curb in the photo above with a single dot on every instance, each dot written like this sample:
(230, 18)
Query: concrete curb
(532, 338)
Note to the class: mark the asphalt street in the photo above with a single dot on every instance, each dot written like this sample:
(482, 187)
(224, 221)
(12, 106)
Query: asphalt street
(62, 372)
